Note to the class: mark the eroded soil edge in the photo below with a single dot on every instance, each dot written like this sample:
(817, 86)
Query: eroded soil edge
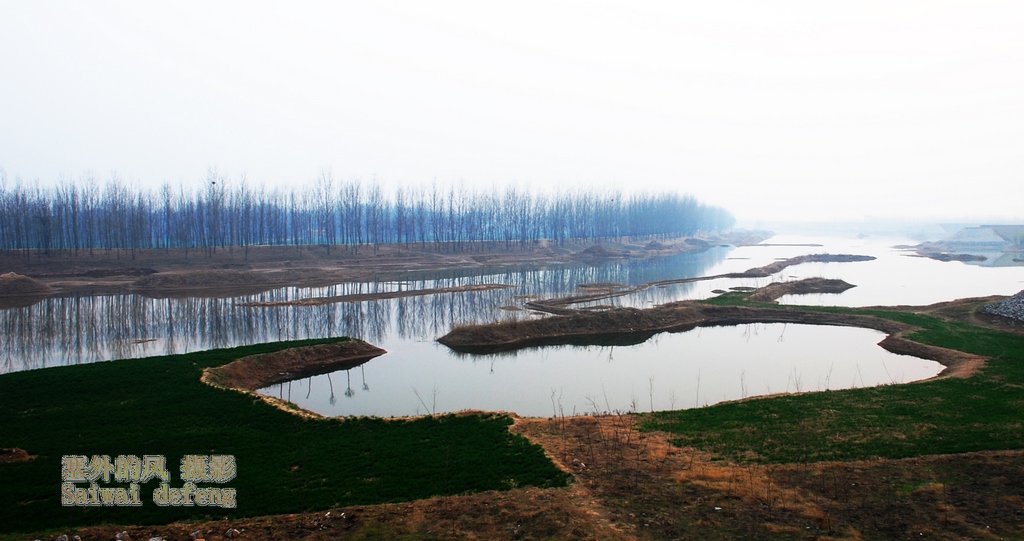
(258, 371)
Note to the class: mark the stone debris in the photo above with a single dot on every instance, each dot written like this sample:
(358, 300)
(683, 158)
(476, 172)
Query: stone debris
(1012, 307)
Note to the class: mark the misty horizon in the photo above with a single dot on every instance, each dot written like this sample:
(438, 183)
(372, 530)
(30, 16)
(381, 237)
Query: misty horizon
(798, 111)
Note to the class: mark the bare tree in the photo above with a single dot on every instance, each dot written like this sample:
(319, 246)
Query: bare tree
(123, 217)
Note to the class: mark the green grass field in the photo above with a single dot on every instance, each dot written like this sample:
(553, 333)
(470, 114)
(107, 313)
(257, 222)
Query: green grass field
(158, 406)
(981, 413)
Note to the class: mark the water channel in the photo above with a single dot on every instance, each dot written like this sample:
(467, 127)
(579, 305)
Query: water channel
(418, 375)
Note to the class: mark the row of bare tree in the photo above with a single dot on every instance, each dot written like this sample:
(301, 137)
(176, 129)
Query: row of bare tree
(86, 216)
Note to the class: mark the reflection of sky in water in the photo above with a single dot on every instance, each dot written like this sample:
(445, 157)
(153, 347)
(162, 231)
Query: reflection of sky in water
(670, 371)
(897, 276)
(75, 330)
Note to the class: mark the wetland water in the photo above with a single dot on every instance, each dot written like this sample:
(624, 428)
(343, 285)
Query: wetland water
(62, 331)
(669, 371)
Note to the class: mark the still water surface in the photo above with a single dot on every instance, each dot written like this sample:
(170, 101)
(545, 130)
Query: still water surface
(669, 371)
(63, 331)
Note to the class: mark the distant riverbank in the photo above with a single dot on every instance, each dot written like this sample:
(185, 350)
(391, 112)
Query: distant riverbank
(238, 271)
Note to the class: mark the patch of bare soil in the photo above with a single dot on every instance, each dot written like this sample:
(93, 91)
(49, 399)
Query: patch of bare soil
(360, 297)
(129, 271)
(599, 251)
(17, 290)
(13, 454)
(258, 371)
(188, 283)
(16, 285)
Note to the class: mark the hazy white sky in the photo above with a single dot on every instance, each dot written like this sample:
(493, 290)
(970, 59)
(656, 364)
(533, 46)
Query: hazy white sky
(775, 110)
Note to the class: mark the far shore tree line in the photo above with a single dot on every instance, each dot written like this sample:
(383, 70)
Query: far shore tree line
(85, 216)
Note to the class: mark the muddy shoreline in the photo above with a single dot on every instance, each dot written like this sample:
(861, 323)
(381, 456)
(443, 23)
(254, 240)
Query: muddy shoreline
(258, 371)
(628, 326)
(238, 271)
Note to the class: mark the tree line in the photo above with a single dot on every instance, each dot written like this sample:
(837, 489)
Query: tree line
(73, 217)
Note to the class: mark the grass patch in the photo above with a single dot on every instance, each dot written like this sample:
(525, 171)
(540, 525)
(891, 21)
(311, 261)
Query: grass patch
(285, 463)
(894, 421)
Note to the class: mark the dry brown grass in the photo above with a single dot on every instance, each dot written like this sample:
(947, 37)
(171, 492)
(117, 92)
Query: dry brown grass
(567, 513)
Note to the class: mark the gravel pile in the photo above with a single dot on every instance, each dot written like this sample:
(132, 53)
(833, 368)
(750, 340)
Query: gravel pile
(1011, 308)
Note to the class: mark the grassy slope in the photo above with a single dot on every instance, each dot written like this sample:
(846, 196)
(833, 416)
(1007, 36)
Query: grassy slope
(285, 464)
(895, 421)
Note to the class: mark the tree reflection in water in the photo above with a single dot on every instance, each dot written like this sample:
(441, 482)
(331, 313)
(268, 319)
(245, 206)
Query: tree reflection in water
(74, 330)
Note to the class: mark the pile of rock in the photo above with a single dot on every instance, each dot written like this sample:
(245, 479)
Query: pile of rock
(1012, 307)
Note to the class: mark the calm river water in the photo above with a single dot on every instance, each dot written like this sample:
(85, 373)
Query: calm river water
(418, 375)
